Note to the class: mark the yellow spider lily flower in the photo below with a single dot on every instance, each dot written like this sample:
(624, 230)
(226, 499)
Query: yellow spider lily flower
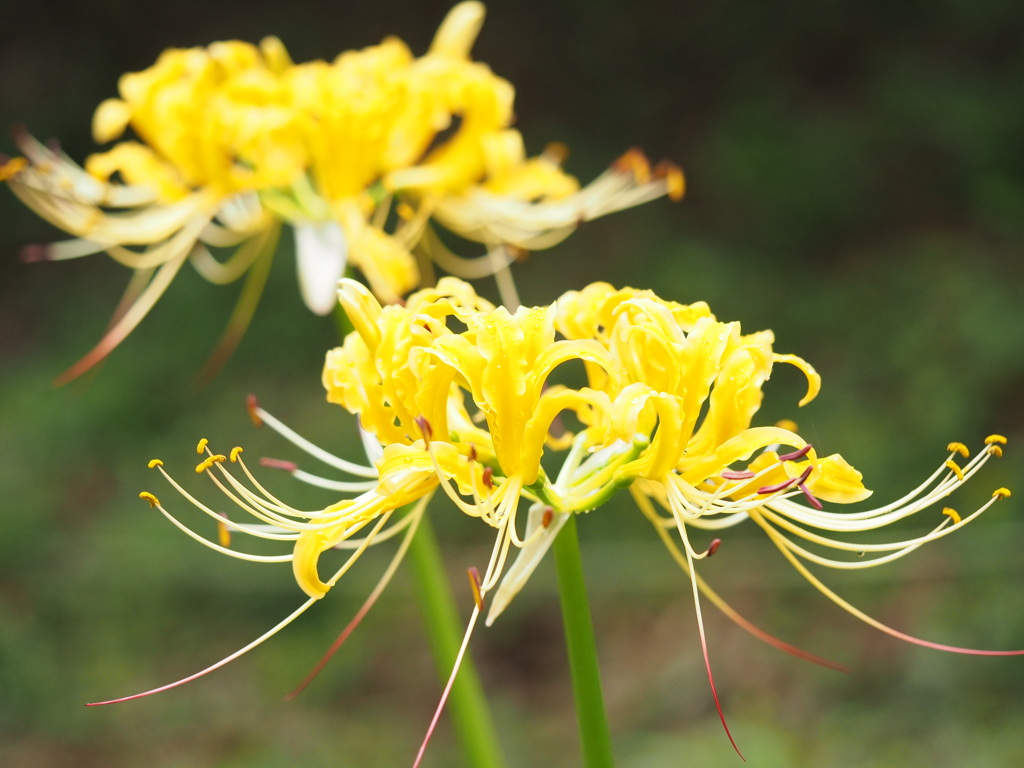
(463, 395)
(454, 393)
(357, 155)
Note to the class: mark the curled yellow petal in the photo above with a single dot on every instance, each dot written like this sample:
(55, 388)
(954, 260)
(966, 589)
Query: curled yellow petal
(458, 31)
(110, 120)
(308, 548)
(813, 379)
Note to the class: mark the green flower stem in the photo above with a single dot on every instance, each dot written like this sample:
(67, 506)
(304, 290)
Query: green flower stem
(579, 639)
(466, 703)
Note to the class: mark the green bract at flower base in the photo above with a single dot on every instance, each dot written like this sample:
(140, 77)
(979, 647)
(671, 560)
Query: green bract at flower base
(457, 395)
(358, 155)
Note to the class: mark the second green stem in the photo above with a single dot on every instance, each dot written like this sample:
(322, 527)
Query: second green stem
(579, 639)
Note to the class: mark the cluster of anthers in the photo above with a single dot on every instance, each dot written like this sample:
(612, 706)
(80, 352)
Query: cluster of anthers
(455, 393)
(358, 155)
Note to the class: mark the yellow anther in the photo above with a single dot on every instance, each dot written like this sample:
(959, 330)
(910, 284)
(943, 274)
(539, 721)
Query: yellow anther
(956, 470)
(995, 450)
(991, 439)
(556, 152)
(153, 500)
(155, 463)
(952, 514)
(223, 533)
(208, 462)
(202, 445)
(235, 453)
(1001, 493)
(12, 168)
(675, 182)
(787, 424)
(958, 448)
(474, 584)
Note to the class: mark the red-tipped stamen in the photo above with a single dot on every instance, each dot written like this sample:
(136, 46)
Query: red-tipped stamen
(733, 474)
(33, 254)
(704, 642)
(252, 405)
(425, 429)
(768, 489)
(713, 547)
(226, 660)
(796, 454)
(857, 613)
(447, 688)
(811, 498)
(488, 477)
(545, 520)
(287, 466)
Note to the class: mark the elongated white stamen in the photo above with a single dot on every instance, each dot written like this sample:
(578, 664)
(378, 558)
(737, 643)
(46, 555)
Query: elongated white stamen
(316, 451)
(332, 485)
(218, 548)
(496, 255)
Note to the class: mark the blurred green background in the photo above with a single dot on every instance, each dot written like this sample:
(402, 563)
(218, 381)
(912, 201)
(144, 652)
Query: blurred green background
(856, 183)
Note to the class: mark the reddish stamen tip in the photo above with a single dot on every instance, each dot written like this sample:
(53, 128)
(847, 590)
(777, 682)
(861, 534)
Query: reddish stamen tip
(252, 405)
(556, 152)
(471, 453)
(33, 254)
(713, 546)
(732, 474)
(634, 162)
(796, 454)
(545, 521)
(766, 489)
(287, 466)
(488, 477)
(425, 428)
(811, 499)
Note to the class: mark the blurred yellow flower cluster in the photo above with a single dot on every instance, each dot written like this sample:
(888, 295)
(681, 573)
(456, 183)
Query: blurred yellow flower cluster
(358, 155)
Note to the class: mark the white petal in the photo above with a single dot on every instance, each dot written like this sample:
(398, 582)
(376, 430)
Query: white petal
(321, 251)
(371, 445)
(527, 560)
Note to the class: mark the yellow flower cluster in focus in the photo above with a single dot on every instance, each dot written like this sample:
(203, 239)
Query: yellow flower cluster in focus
(460, 395)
